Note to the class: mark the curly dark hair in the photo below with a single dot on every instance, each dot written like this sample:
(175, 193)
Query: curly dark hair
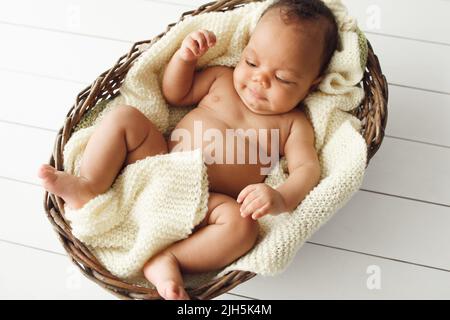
(309, 10)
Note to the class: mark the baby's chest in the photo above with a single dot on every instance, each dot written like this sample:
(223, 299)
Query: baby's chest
(226, 110)
(225, 103)
(261, 134)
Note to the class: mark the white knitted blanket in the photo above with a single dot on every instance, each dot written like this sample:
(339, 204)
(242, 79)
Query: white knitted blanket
(159, 200)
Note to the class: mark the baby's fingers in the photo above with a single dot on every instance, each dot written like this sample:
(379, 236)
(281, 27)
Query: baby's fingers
(252, 207)
(192, 46)
(245, 192)
(201, 37)
(261, 211)
(249, 200)
(210, 38)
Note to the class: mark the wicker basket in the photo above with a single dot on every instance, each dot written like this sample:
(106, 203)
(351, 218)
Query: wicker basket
(372, 112)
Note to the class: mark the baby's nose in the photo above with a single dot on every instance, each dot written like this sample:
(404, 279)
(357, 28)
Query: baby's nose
(262, 80)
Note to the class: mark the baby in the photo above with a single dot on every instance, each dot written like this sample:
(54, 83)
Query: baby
(282, 63)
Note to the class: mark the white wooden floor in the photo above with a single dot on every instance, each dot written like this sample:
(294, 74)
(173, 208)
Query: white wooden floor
(391, 241)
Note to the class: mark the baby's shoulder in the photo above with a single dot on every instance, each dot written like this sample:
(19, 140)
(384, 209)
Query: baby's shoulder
(298, 118)
(220, 74)
(220, 70)
(300, 125)
(223, 78)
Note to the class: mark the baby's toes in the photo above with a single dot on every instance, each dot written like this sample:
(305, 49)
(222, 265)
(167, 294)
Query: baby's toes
(173, 291)
(47, 173)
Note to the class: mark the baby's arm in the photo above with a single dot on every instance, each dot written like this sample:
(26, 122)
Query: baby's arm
(303, 164)
(304, 174)
(181, 85)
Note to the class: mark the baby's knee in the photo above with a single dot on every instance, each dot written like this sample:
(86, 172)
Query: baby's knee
(127, 115)
(124, 110)
(224, 210)
(246, 229)
(251, 230)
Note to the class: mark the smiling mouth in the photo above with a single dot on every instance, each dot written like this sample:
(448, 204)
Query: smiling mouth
(256, 95)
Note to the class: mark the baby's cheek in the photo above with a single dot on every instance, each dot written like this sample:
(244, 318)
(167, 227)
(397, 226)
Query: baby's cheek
(237, 84)
(282, 101)
(241, 74)
(236, 77)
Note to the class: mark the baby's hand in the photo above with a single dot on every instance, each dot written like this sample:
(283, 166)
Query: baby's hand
(260, 199)
(196, 44)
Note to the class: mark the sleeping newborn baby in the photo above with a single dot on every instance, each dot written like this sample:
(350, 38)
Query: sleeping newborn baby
(257, 104)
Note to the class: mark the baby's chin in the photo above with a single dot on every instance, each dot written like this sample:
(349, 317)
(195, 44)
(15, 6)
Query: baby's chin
(255, 107)
(259, 110)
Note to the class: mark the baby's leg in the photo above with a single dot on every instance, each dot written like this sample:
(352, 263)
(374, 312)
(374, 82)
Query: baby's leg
(221, 238)
(124, 136)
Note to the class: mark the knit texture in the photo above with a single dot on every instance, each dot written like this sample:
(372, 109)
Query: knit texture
(159, 200)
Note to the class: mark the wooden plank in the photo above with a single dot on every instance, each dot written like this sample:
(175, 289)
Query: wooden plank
(66, 56)
(138, 20)
(31, 274)
(316, 273)
(402, 17)
(36, 101)
(26, 222)
(325, 273)
(390, 227)
(145, 18)
(28, 149)
(412, 63)
(412, 170)
(419, 115)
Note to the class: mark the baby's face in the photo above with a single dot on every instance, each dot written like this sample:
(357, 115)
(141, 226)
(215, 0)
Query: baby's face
(279, 66)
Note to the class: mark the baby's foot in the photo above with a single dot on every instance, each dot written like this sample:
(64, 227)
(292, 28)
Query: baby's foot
(72, 189)
(164, 273)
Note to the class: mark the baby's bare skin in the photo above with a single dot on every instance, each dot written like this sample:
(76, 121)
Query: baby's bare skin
(277, 70)
(222, 109)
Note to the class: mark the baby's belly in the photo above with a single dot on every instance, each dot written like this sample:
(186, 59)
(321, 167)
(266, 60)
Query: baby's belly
(232, 156)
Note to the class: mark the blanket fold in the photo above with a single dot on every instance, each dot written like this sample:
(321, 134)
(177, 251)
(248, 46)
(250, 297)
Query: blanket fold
(159, 200)
(123, 225)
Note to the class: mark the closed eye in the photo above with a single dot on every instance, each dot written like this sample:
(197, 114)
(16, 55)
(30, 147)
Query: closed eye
(283, 81)
(279, 79)
(250, 64)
